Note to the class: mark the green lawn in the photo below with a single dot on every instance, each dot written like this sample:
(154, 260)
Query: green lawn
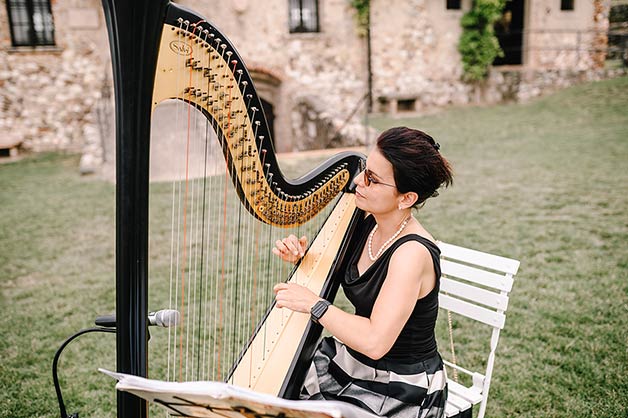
(543, 182)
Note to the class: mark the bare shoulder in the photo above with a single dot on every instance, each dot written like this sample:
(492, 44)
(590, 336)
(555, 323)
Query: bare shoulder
(412, 248)
(411, 256)
(412, 266)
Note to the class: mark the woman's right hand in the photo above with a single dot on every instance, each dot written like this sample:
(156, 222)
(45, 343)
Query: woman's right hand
(291, 248)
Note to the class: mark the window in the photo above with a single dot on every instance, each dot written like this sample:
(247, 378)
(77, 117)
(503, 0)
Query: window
(453, 4)
(31, 22)
(566, 4)
(406, 105)
(303, 16)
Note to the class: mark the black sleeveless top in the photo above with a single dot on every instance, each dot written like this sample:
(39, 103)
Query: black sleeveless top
(416, 342)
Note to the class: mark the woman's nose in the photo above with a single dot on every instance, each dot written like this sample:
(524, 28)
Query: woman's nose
(359, 179)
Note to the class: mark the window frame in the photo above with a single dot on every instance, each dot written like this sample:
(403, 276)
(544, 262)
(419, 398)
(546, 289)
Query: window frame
(33, 41)
(301, 28)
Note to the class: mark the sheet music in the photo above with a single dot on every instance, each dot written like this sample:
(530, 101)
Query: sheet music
(218, 399)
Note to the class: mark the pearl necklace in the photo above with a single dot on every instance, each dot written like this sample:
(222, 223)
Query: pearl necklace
(387, 243)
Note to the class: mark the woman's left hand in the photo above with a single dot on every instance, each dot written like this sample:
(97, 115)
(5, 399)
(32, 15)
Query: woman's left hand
(295, 297)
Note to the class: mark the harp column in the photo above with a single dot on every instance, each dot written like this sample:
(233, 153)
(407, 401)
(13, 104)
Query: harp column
(134, 33)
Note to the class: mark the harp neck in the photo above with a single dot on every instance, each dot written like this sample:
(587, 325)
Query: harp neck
(216, 82)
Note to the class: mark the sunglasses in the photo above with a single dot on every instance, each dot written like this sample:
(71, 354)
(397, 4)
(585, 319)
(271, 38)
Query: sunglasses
(368, 179)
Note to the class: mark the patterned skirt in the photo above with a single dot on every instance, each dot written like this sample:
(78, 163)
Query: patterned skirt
(385, 388)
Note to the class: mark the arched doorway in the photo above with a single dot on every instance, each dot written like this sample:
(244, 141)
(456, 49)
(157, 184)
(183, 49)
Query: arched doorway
(268, 87)
(269, 112)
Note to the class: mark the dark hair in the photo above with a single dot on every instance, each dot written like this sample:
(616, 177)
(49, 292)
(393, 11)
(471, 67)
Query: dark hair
(417, 163)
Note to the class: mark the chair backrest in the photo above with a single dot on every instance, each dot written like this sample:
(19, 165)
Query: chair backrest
(475, 285)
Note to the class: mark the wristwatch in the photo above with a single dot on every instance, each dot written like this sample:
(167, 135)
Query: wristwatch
(319, 309)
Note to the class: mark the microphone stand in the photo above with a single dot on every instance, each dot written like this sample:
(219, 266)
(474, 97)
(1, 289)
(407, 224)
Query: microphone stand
(62, 409)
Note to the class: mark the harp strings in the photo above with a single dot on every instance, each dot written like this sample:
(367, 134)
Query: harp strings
(220, 264)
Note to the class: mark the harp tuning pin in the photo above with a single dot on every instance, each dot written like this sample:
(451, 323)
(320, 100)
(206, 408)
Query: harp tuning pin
(229, 53)
(244, 83)
(239, 71)
(258, 123)
(254, 109)
(249, 96)
(223, 46)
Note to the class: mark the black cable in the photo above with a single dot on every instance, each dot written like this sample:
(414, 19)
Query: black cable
(64, 414)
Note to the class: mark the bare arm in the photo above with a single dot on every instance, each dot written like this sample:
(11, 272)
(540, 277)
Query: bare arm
(409, 270)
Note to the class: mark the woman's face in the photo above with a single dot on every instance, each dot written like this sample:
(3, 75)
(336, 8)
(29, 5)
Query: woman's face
(376, 191)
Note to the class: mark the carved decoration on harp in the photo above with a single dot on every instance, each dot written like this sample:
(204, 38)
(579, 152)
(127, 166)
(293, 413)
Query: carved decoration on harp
(152, 44)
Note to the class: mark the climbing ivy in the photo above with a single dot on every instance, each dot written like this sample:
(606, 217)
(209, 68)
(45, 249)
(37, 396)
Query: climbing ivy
(362, 15)
(478, 44)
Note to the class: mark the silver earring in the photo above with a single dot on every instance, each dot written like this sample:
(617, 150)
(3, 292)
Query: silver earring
(399, 207)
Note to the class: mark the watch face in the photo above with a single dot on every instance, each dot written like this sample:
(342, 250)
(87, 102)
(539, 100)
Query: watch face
(319, 309)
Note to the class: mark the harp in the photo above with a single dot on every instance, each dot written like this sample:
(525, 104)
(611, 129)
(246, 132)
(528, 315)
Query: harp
(164, 52)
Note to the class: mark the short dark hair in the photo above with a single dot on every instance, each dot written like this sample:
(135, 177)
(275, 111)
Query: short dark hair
(417, 163)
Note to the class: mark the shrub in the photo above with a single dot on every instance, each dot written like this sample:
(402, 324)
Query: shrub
(478, 44)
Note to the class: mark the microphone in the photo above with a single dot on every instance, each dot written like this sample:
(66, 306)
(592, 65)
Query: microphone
(164, 318)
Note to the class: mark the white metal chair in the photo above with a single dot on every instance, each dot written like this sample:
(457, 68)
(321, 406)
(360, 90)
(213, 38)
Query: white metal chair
(475, 285)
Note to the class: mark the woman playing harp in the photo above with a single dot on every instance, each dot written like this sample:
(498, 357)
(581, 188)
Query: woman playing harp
(388, 361)
(212, 229)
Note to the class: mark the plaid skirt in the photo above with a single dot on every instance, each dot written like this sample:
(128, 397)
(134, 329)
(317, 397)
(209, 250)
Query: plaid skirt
(382, 387)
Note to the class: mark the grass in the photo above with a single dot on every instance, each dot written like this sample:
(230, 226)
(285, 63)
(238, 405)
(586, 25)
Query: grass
(543, 182)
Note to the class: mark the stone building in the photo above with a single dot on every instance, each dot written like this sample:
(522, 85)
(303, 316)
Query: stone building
(312, 64)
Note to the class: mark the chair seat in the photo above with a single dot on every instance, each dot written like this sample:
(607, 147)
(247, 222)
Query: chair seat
(469, 394)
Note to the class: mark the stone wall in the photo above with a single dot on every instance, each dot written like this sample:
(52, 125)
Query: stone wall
(566, 39)
(416, 57)
(50, 95)
(314, 122)
(521, 85)
(416, 65)
(60, 97)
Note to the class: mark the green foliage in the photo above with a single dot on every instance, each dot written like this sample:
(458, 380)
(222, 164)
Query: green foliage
(362, 8)
(478, 44)
(618, 14)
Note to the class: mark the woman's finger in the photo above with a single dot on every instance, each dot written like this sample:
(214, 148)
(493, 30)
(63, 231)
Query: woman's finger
(280, 245)
(302, 244)
(291, 245)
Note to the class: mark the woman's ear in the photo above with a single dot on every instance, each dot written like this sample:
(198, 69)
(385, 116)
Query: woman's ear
(408, 200)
